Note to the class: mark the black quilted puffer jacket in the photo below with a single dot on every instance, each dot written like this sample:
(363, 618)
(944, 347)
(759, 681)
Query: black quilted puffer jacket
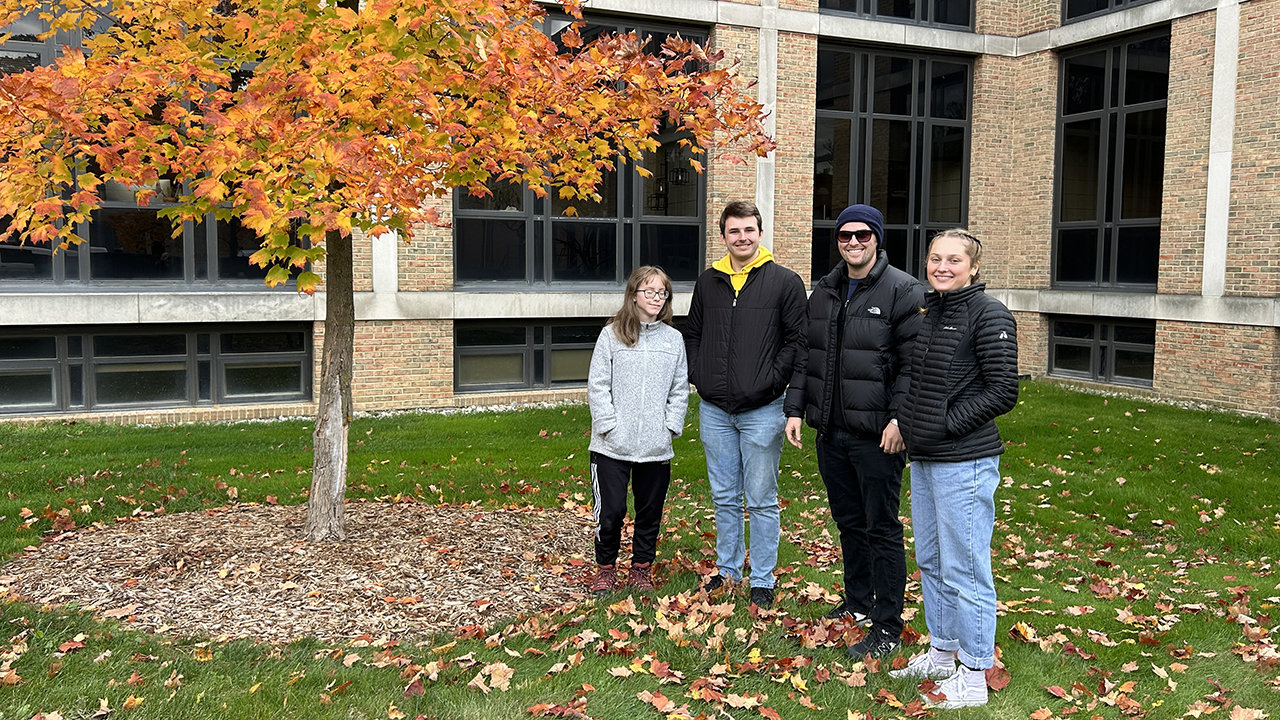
(964, 374)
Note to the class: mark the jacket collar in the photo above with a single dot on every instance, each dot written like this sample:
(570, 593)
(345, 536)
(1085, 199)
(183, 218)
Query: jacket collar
(933, 297)
(832, 280)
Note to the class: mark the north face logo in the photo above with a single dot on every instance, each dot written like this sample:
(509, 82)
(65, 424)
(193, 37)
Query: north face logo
(873, 310)
(1004, 335)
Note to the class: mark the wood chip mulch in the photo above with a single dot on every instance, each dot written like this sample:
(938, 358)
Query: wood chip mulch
(406, 571)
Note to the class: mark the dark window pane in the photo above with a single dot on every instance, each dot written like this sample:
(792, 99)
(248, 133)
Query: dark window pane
(236, 244)
(845, 5)
(897, 245)
(674, 248)
(262, 379)
(140, 383)
(1073, 358)
(131, 345)
(570, 334)
(946, 175)
(16, 62)
(835, 79)
(1084, 84)
(952, 12)
(24, 348)
(1081, 152)
(504, 369)
(896, 8)
(25, 262)
(891, 182)
(76, 376)
(672, 190)
(832, 155)
(26, 28)
(607, 206)
(1078, 8)
(133, 244)
(26, 388)
(1137, 334)
(1077, 330)
(1138, 255)
(1077, 255)
(1143, 164)
(263, 342)
(825, 255)
(469, 335)
(74, 344)
(950, 91)
(506, 195)
(895, 85)
(584, 251)
(570, 366)
(204, 389)
(1135, 365)
(1147, 72)
(202, 343)
(489, 249)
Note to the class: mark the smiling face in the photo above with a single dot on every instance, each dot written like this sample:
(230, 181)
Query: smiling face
(858, 245)
(949, 266)
(741, 237)
(648, 308)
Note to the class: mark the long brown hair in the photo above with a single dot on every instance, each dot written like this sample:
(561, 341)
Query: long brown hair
(626, 322)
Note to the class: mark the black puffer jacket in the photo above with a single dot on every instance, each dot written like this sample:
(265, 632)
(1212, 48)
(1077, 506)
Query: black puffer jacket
(964, 374)
(741, 349)
(880, 324)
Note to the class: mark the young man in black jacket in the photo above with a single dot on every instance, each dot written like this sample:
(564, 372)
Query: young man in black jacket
(745, 333)
(863, 319)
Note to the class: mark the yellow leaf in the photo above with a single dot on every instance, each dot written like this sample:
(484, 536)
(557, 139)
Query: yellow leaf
(132, 702)
(395, 714)
(255, 687)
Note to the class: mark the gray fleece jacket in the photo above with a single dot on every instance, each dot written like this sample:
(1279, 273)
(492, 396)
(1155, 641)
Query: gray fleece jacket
(638, 395)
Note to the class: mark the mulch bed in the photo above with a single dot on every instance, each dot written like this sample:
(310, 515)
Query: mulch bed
(406, 570)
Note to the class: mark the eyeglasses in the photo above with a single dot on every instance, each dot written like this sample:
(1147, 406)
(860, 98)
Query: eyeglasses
(847, 236)
(655, 294)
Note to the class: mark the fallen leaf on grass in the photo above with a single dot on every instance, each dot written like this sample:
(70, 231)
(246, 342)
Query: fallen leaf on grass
(132, 702)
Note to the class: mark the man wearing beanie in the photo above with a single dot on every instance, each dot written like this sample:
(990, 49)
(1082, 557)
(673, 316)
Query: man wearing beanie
(744, 334)
(863, 318)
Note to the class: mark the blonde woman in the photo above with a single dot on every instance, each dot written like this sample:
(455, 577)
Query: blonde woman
(638, 390)
(963, 375)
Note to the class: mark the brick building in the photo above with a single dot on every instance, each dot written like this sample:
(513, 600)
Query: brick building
(1120, 160)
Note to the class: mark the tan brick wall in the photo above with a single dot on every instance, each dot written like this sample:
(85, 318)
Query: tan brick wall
(727, 181)
(361, 262)
(426, 259)
(1186, 159)
(802, 5)
(403, 364)
(1253, 265)
(176, 416)
(1235, 367)
(1025, 245)
(1033, 343)
(793, 160)
(1035, 15)
(994, 140)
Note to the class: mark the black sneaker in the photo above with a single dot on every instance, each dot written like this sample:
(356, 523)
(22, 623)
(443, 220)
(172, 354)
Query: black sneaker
(843, 610)
(762, 597)
(876, 644)
(715, 583)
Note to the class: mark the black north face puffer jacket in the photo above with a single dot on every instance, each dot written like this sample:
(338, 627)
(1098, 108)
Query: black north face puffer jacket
(870, 364)
(964, 374)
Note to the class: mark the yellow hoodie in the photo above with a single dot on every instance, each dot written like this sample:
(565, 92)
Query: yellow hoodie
(738, 279)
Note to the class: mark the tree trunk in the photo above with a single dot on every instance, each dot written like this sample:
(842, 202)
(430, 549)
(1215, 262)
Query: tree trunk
(325, 511)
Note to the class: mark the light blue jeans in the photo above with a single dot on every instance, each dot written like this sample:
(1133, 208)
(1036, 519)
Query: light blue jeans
(953, 514)
(743, 450)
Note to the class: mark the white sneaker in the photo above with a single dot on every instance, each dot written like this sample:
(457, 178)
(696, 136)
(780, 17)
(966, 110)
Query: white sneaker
(965, 688)
(935, 664)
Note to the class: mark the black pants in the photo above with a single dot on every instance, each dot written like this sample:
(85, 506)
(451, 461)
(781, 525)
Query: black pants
(649, 482)
(863, 487)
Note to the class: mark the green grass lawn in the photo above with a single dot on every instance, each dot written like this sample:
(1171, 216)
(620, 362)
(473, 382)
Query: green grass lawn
(1135, 551)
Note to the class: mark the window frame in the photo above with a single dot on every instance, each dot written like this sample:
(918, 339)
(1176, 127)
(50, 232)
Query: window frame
(1112, 7)
(537, 352)
(1114, 115)
(861, 118)
(925, 11)
(1102, 348)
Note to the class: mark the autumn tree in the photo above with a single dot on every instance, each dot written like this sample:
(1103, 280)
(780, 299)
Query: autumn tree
(315, 123)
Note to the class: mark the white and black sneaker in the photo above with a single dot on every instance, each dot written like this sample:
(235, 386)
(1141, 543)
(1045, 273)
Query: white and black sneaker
(936, 664)
(844, 611)
(876, 643)
(965, 688)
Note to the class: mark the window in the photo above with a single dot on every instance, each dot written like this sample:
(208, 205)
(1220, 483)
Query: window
(83, 370)
(1080, 9)
(892, 132)
(1111, 131)
(1103, 350)
(511, 356)
(929, 12)
(514, 237)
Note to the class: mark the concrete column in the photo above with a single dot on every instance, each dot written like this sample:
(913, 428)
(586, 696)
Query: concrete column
(1226, 48)
(767, 71)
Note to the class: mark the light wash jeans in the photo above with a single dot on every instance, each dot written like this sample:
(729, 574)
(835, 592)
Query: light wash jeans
(743, 450)
(953, 514)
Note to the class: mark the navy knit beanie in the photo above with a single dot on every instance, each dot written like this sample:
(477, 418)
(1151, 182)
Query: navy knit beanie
(863, 214)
